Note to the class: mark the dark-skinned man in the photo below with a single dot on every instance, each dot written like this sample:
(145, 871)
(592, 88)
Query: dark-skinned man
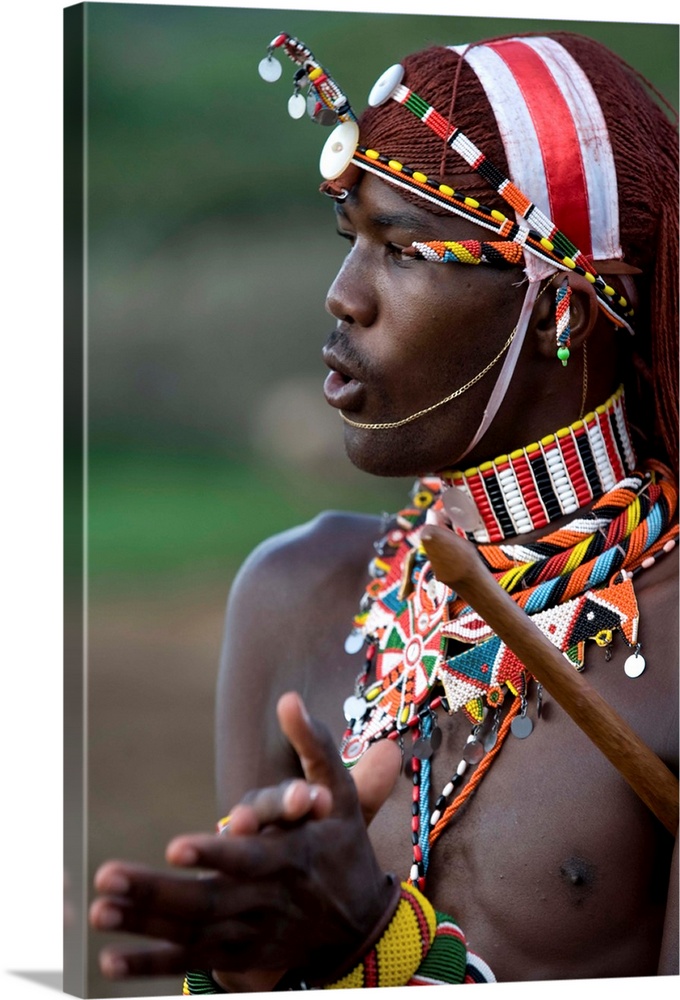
(407, 804)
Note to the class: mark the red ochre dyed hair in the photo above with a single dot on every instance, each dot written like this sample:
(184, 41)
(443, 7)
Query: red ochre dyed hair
(645, 148)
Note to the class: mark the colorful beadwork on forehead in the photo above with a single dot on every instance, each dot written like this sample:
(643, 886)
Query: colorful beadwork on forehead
(499, 254)
(557, 252)
(554, 135)
(541, 68)
(543, 234)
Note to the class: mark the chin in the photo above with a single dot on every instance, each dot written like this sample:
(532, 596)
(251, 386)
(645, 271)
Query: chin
(394, 453)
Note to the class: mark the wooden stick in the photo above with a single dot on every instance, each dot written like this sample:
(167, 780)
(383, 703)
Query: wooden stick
(456, 564)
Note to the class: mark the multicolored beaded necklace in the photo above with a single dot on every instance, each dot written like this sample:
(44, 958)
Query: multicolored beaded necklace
(426, 649)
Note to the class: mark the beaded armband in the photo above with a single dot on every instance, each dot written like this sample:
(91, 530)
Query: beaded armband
(200, 983)
(394, 958)
(419, 947)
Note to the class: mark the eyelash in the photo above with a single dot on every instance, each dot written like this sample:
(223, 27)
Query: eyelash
(392, 248)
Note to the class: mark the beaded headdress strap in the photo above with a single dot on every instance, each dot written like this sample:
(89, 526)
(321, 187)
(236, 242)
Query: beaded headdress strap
(539, 68)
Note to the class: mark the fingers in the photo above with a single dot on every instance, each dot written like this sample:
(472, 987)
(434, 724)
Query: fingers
(453, 558)
(119, 914)
(316, 749)
(243, 857)
(438, 517)
(375, 776)
(168, 958)
(207, 931)
(281, 804)
(158, 959)
(171, 894)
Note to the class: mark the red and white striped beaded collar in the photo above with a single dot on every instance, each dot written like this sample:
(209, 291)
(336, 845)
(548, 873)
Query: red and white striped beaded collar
(531, 487)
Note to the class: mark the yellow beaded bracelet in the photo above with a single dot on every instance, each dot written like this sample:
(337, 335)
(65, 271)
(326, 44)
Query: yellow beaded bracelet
(394, 958)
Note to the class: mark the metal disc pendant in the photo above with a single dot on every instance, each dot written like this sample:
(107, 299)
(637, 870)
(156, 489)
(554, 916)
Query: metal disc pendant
(521, 726)
(320, 112)
(338, 150)
(354, 708)
(490, 740)
(473, 752)
(634, 665)
(354, 642)
(269, 69)
(422, 748)
(297, 106)
(384, 86)
(461, 509)
(436, 739)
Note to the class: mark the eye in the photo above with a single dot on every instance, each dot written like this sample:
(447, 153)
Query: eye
(396, 252)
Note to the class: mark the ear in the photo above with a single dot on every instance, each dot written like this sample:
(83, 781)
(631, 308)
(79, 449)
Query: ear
(584, 312)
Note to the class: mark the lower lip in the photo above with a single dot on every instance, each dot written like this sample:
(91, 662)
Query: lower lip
(341, 394)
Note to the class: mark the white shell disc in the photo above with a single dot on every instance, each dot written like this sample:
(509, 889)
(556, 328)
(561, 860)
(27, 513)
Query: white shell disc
(383, 87)
(269, 69)
(338, 150)
(354, 642)
(461, 509)
(297, 105)
(354, 708)
(634, 665)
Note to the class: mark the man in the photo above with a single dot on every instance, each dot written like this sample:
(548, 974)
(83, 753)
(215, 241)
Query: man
(512, 264)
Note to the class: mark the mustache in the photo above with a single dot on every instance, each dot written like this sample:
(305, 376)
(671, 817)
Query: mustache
(345, 348)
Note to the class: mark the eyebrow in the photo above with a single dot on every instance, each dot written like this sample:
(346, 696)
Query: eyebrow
(389, 220)
(399, 220)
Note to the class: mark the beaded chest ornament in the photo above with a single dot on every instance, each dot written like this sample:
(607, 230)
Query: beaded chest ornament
(426, 649)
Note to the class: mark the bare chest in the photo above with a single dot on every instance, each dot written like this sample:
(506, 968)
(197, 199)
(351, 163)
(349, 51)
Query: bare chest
(552, 850)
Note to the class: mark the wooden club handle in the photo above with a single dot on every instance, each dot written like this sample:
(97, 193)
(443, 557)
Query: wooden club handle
(456, 564)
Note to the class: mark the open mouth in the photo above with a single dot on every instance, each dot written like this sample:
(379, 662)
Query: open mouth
(342, 390)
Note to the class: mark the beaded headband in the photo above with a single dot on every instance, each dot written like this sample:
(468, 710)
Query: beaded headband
(535, 66)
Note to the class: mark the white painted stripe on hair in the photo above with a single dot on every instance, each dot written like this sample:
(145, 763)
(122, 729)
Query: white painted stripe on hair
(522, 148)
(596, 150)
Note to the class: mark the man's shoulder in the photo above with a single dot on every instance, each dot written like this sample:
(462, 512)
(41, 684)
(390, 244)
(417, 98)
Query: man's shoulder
(332, 543)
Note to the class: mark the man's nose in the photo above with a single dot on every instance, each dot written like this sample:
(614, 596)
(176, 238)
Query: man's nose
(351, 298)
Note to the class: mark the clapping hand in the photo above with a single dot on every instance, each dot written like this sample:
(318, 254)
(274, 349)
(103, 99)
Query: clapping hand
(293, 883)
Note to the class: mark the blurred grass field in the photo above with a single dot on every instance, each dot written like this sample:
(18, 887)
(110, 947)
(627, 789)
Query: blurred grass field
(161, 516)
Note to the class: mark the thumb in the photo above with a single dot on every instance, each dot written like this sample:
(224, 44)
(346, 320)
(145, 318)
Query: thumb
(454, 559)
(316, 749)
(375, 775)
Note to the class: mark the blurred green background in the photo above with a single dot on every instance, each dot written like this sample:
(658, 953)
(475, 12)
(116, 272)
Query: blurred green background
(208, 255)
